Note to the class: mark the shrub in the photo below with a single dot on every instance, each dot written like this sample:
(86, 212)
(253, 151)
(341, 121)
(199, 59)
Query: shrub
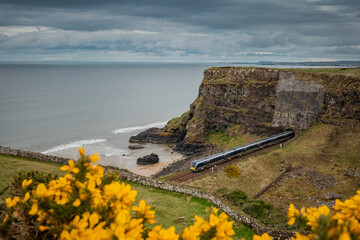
(86, 204)
(232, 171)
(259, 209)
(222, 191)
(236, 196)
(256, 208)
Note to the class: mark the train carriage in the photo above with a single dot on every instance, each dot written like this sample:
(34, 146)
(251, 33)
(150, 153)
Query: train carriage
(202, 163)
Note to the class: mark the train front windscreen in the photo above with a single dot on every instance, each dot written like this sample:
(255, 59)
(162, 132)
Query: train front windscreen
(193, 165)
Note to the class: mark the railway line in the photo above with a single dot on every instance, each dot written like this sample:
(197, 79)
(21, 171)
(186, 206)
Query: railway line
(187, 175)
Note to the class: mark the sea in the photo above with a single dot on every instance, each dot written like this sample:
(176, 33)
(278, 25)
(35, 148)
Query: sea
(54, 108)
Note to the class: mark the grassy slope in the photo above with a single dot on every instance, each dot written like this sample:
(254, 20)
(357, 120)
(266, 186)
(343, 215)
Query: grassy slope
(168, 206)
(325, 148)
(11, 165)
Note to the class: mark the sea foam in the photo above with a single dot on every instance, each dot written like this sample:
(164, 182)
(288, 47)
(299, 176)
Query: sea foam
(138, 128)
(73, 145)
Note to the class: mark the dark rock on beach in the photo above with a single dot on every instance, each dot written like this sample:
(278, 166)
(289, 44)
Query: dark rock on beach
(148, 159)
(155, 135)
(132, 147)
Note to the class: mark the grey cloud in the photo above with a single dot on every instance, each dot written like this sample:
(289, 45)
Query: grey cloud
(347, 50)
(197, 29)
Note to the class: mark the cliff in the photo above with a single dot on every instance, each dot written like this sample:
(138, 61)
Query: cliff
(260, 101)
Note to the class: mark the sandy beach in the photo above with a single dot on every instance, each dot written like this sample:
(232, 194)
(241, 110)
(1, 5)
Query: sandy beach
(164, 151)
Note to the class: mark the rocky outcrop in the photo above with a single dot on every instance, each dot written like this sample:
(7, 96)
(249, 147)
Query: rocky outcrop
(134, 146)
(261, 102)
(148, 159)
(188, 149)
(341, 104)
(228, 97)
(156, 135)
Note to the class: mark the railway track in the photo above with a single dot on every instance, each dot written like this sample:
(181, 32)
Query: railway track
(182, 177)
(187, 175)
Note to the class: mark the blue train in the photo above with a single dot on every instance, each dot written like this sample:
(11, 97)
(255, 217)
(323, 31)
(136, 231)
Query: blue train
(199, 164)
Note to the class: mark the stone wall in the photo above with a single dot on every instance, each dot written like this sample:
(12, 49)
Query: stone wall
(33, 155)
(258, 228)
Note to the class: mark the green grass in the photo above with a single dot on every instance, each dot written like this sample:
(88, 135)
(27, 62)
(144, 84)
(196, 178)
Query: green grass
(223, 140)
(11, 165)
(169, 206)
(331, 71)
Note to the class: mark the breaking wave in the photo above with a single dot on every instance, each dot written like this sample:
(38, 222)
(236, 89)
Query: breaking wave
(73, 145)
(138, 128)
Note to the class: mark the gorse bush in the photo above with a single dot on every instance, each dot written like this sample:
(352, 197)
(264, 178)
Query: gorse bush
(232, 171)
(341, 223)
(86, 204)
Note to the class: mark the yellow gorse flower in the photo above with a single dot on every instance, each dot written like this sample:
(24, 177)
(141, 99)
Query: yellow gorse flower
(292, 214)
(143, 211)
(313, 214)
(159, 233)
(265, 236)
(223, 228)
(70, 168)
(26, 183)
(299, 236)
(12, 202)
(81, 151)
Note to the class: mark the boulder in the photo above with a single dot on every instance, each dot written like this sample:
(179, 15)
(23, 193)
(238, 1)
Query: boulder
(148, 159)
(135, 147)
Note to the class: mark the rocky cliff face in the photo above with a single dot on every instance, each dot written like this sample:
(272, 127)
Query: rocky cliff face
(235, 99)
(262, 102)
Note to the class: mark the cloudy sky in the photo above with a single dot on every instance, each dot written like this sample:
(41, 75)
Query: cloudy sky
(174, 30)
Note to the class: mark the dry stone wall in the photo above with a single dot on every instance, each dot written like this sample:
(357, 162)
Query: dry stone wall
(33, 155)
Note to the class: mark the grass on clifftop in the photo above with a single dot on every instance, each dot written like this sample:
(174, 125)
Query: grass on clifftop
(168, 206)
(354, 72)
